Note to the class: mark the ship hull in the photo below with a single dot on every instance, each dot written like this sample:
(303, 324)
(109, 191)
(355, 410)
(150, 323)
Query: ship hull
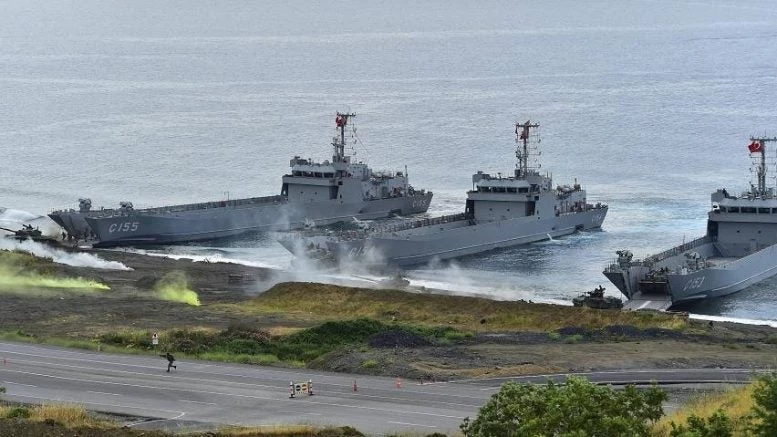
(719, 275)
(462, 237)
(73, 222)
(232, 218)
(729, 277)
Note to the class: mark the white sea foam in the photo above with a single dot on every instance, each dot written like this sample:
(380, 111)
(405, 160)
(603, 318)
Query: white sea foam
(75, 259)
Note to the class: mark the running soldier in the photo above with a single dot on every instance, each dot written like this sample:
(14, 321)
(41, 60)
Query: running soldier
(170, 361)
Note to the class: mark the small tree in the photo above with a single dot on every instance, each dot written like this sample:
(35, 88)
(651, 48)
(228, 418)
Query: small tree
(717, 425)
(765, 408)
(577, 408)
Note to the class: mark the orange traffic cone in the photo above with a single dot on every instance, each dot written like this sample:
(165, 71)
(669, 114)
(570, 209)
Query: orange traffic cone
(398, 383)
(291, 389)
(310, 387)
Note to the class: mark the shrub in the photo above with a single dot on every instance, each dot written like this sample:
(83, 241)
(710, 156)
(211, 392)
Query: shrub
(765, 408)
(370, 364)
(18, 412)
(573, 339)
(338, 333)
(577, 407)
(717, 425)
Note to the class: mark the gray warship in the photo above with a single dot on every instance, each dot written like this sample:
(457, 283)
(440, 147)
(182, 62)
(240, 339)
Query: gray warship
(500, 211)
(312, 194)
(738, 250)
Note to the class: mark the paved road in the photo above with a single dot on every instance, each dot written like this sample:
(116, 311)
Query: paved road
(206, 392)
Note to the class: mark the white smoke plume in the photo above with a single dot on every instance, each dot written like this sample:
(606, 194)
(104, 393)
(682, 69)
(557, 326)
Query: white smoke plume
(17, 216)
(75, 259)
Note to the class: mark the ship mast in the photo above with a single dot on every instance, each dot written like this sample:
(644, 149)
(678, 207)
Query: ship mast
(339, 141)
(522, 135)
(758, 145)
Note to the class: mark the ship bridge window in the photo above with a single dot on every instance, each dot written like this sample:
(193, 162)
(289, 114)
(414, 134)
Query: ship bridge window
(774, 210)
(733, 209)
(318, 175)
(329, 175)
(511, 190)
(523, 190)
(763, 210)
(297, 173)
(748, 210)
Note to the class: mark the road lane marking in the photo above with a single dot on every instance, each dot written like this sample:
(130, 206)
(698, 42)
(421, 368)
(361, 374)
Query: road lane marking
(412, 424)
(19, 383)
(197, 402)
(157, 420)
(103, 393)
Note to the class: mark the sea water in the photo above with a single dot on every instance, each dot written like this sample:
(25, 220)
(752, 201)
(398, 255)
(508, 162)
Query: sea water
(648, 104)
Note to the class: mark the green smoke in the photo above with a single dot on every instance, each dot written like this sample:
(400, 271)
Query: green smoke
(174, 287)
(14, 281)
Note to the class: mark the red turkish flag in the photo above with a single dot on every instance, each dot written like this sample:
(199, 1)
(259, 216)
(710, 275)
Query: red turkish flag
(755, 147)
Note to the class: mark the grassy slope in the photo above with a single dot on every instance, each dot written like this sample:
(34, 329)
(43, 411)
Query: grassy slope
(328, 302)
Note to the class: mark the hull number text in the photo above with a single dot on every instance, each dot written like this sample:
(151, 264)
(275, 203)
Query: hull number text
(693, 283)
(123, 227)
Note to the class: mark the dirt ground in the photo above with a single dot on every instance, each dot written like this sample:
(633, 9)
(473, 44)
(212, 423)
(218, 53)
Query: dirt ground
(130, 304)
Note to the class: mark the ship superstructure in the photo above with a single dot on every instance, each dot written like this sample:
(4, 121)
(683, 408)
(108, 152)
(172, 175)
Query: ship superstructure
(500, 211)
(738, 249)
(312, 194)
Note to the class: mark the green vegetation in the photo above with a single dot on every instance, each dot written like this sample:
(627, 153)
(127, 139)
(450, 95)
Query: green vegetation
(765, 409)
(577, 408)
(717, 425)
(329, 302)
(240, 343)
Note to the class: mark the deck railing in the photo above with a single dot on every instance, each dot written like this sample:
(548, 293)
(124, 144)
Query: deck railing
(678, 249)
(420, 223)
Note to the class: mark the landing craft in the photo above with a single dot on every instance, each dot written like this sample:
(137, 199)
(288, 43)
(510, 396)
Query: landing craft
(499, 212)
(318, 193)
(738, 250)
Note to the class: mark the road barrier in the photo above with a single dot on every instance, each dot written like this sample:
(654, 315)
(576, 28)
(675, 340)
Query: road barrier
(300, 388)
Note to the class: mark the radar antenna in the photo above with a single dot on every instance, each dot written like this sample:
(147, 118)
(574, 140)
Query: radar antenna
(338, 143)
(524, 133)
